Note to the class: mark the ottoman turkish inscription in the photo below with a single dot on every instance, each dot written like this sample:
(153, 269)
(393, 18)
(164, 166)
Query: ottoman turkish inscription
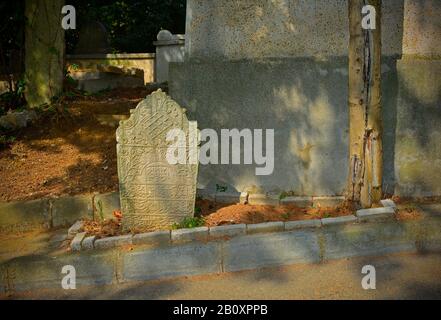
(154, 194)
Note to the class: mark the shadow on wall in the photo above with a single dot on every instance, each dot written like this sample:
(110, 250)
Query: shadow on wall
(303, 98)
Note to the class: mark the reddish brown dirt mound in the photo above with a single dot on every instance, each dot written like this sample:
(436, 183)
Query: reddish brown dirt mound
(242, 213)
(69, 153)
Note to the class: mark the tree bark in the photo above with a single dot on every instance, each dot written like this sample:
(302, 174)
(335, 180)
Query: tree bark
(365, 115)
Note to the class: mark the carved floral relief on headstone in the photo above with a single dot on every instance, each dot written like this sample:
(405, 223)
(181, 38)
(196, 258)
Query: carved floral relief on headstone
(155, 194)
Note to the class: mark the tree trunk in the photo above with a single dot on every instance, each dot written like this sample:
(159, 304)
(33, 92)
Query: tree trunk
(365, 115)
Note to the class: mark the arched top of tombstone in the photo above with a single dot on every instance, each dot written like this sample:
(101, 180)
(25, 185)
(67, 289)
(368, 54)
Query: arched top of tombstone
(164, 35)
(150, 121)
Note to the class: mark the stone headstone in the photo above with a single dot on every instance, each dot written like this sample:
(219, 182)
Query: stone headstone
(154, 193)
(93, 38)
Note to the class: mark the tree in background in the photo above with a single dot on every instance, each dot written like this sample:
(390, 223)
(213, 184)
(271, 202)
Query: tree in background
(365, 115)
(132, 25)
(12, 53)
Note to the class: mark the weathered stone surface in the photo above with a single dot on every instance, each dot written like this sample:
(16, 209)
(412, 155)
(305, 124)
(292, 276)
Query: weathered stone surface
(228, 197)
(263, 199)
(105, 204)
(367, 239)
(193, 234)
(324, 202)
(24, 216)
(190, 259)
(157, 237)
(154, 193)
(265, 227)
(303, 224)
(389, 203)
(228, 230)
(43, 271)
(301, 202)
(375, 214)
(339, 220)
(88, 243)
(67, 210)
(112, 242)
(76, 227)
(259, 251)
(75, 245)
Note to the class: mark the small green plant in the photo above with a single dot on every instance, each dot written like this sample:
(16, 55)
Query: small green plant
(189, 223)
(100, 210)
(326, 215)
(285, 216)
(283, 195)
(197, 211)
(220, 188)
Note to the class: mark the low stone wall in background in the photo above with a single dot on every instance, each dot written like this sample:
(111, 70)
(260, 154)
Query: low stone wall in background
(94, 71)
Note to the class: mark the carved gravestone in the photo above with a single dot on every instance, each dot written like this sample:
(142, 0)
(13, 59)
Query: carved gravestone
(155, 194)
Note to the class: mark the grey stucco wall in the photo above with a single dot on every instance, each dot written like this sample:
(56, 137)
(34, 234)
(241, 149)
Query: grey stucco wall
(247, 29)
(295, 81)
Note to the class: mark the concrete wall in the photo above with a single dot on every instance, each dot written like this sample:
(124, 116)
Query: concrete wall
(169, 48)
(283, 65)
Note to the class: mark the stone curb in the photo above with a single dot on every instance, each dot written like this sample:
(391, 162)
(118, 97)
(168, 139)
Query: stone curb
(303, 224)
(112, 242)
(339, 220)
(262, 199)
(245, 252)
(182, 235)
(301, 202)
(228, 230)
(324, 202)
(265, 227)
(366, 215)
(157, 237)
(75, 245)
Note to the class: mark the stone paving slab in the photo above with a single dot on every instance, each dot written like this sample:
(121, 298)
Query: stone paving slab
(189, 259)
(259, 251)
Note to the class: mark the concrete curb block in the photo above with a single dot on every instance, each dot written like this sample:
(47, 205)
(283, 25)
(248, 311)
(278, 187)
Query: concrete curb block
(75, 245)
(157, 237)
(112, 242)
(389, 203)
(302, 224)
(228, 230)
(76, 227)
(262, 199)
(88, 243)
(339, 220)
(301, 202)
(227, 197)
(194, 234)
(366, 215)
(265, 227)
(324, 202)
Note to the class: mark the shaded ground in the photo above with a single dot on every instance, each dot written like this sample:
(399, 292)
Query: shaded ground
(403, 276)
(70, 153)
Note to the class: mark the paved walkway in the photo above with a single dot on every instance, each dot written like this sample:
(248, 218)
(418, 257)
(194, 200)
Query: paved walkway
(404, 276)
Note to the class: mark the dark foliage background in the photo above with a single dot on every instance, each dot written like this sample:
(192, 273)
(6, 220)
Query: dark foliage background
(132, 25)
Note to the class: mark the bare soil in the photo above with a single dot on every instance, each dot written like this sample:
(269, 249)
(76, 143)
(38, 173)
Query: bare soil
(66, 153)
